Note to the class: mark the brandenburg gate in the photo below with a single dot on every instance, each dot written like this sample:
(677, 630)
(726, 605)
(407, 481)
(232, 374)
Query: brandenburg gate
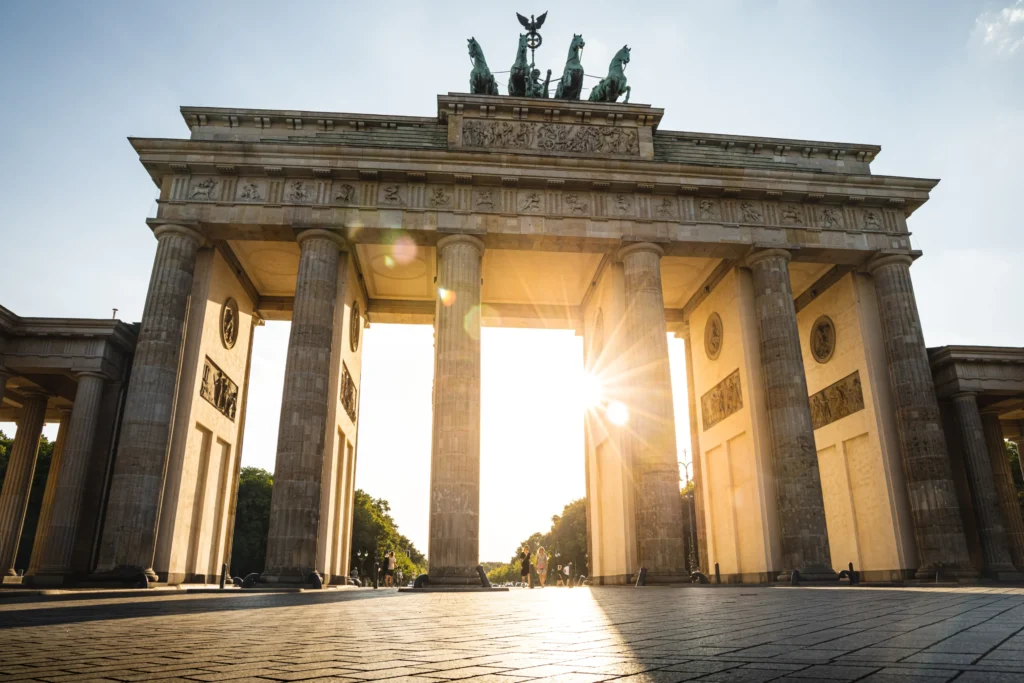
(784, 265)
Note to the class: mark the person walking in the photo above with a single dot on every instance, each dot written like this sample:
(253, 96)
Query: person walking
(568, 574)
(399, 577)
(542, 565)
(524, 571)
(389, 577)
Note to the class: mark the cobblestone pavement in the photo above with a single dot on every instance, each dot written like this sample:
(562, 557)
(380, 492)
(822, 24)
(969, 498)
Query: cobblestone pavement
(655, 635)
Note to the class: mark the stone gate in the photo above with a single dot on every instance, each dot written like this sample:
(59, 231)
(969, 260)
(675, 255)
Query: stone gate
(784, 264)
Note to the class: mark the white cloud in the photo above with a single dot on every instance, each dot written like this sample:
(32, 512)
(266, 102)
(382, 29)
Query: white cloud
(1001, 31)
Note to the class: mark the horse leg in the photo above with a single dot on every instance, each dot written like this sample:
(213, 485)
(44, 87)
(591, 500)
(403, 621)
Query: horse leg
(626, 101)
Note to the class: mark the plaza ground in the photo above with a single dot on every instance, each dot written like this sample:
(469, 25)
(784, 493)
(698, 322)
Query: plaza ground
(583, 635)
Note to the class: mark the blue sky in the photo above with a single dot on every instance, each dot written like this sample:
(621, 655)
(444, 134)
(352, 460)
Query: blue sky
(937, 84)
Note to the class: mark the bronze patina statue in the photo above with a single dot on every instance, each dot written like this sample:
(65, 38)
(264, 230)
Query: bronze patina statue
(614, 84)
(536, 88)
(519, 75)
(481, 80)
(571, 84)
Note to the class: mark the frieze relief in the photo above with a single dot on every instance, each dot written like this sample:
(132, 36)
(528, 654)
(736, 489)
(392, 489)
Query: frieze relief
(218, 389)
(551, 201)
(836, 401)
(349, 393)
(724, 399)
(550, 137)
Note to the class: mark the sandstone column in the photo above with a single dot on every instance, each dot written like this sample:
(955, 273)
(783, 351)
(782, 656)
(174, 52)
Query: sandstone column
(651, 434)
(454, 546)
(794, 456)
(50, 492)
(18, 480)
(295, 502)
(698, 482)
(994, 543)
(55, 538)
(133, 508)
(1006, 492)
(941, 544)
(5, 375)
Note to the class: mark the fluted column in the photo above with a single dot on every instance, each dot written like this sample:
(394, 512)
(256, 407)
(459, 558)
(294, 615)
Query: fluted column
(698, 481)
(55, 535)
(938, 528)
(801, 507)
(989, 518)
(651, 435)
(18, 480)
(1006, 492)
(133, 508)
(454, 547)
(50, 492)
(295, 501)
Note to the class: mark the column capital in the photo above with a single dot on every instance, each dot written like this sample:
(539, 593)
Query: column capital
(184, 231)
(964, 395)
(461, 239)
(883, 260)
(638, 247)
(761, 254)
(90, 373)
(321, 233)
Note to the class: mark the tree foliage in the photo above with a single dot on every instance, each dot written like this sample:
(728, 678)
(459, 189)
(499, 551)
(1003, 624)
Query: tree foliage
(566, 541)
(374, 533)
(35, 498)
(252, 521)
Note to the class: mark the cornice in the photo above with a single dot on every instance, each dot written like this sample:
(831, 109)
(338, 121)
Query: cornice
(162, 156)
(943, 355)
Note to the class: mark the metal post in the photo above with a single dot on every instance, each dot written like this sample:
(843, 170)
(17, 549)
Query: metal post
(223, 574)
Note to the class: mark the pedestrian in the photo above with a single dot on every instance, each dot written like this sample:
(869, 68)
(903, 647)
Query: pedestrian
(399, 577)
(542, 565)
(558, 577)
(524, 571)
(568, 574)
(354, 575)
(389, 576)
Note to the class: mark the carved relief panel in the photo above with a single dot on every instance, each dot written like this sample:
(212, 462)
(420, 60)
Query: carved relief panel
(219, 390)
(349, 395)
(836, 401)
(529, 136)
(724, 399)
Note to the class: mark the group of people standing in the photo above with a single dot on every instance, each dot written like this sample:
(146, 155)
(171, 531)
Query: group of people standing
(541, 565)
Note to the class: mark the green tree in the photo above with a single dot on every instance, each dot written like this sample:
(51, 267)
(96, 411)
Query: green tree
(252, 521)
(374, 533)
(35, 498)
(566, 541)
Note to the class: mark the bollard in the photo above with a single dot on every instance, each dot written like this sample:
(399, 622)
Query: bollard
(641, 578)
(718, 575)
(794, 578)
(223, 575)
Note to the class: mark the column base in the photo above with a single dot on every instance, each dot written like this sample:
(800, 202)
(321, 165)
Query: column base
(13, 580)
(945, 574)
(288, 577)
(1008, 574)
(130, 577)
(809, 575)
(454, 577)
(47, 580)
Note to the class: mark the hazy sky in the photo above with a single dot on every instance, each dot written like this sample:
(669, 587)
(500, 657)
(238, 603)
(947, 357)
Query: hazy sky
(937, 83)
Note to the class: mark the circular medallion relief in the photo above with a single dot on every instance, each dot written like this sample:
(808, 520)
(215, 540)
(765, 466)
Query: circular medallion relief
(355, 327)
(229, 323)
(713, 336)
(823, 339)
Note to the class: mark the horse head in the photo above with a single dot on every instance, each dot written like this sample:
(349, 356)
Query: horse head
(474, 50)
(576, 46)
(621, 57)
(521, 50)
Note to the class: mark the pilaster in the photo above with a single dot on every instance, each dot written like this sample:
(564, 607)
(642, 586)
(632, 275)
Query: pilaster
(295, 503)
(941, 544)
(18, 480)
(1006, 492)
(129, 531)
(801, 507)
(454, 546)
(55, 540)
(651, 437)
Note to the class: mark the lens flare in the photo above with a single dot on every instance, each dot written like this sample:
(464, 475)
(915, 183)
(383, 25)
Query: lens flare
(617, 413)
(447, 296)
(589, 391)
(404, 250)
